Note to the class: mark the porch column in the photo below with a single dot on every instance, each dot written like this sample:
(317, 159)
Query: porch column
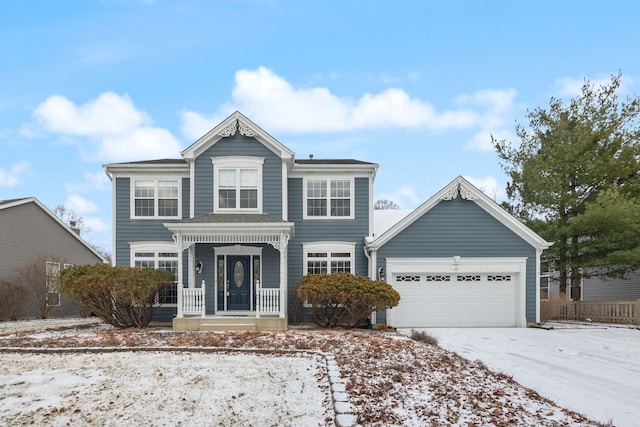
(191, 280)
(284, 242)
(178, 240)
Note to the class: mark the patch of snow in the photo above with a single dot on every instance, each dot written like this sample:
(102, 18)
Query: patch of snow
(160, 388)
(592, 369)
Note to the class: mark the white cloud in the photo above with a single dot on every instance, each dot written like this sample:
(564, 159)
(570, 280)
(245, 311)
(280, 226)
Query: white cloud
(92, 181)
(115, 129)
(481, 141)
(12, 176)
(489, 186)
(96, 225)
(572, 86)
(274, 103)
(404, 196)
(79, 204)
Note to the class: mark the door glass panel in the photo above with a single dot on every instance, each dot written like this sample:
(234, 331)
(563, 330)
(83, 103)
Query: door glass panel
(238, 274)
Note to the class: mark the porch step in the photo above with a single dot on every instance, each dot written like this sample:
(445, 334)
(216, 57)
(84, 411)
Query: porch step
(228, 327)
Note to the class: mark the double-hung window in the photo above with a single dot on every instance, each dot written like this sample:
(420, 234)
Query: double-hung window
(328, 198)
(237, 183)
(53, 291)
(155, 198)
(328, 257)
(158, 258)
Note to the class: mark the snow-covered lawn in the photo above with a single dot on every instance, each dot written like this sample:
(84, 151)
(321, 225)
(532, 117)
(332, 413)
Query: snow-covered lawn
(253, 378)
(591, 369)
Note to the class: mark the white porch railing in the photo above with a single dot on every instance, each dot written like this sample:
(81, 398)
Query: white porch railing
(267, 300)
(193, 300)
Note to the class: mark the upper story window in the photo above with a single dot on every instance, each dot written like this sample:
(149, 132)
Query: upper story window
(237, 184)
(328, 198)
(155, 198)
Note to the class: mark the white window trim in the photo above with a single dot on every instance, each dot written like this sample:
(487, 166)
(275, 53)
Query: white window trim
(52, 276)
(155, 179)
(329, 247)
(154, 247)
(328, 179)
(236, 162)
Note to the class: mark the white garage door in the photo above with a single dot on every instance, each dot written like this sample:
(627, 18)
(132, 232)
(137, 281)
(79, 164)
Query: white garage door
(452, 300)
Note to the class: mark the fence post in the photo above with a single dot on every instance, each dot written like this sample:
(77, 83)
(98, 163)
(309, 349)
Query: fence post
(637, 312)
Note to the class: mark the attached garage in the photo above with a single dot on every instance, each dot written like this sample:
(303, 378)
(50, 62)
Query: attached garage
(458, 260)
(456, 292)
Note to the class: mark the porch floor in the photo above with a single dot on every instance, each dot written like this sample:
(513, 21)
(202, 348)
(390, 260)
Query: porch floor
(229, 322)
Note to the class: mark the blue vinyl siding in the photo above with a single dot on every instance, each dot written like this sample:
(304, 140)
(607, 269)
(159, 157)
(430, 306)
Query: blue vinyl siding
(342, 230)
(461, 227)
(139, 230)
(239, 145)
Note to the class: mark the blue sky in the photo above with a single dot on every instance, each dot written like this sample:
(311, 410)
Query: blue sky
(415, 86)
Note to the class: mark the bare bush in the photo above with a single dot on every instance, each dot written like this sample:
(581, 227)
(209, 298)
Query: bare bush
(424, 337)
(14, 297)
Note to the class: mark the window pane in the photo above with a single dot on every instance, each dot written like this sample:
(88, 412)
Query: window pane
(340, 266)
(340, 207)
(145, 263)
(168, 207)
(340, 188)
(248, 199)
(144, 188)
(168, 189)
(227, 178)
(316, 207)
(248, 178)
(316, 267)
(227, 199)
(317, 255)
(144, 207)
(340, 255)
(316, 188)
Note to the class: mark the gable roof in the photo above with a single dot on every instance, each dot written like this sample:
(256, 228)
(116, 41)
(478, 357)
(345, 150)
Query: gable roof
(7, 204)
(460, 187)
(236, 122)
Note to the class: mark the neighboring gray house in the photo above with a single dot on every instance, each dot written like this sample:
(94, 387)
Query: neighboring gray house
(31, 236)
(595, 288)
(240, 220)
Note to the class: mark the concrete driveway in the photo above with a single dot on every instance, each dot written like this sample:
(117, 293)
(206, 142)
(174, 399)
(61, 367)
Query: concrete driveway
(592, 369)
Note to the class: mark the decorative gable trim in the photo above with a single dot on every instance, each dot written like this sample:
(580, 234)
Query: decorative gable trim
(463, 188)
(236, 122)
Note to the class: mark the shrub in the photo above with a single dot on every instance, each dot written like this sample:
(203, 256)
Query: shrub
(14, 297)
(424, 337)
(344, 299)
(121, 296)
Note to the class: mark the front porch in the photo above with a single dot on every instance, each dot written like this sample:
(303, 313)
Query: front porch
(192, 313)
(229, 251)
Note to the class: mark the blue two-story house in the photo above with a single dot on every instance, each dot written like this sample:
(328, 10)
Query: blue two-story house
(240, 220)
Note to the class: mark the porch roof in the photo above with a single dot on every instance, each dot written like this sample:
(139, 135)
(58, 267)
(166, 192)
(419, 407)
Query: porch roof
(232, 229)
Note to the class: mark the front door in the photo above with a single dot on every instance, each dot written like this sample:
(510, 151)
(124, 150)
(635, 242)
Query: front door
(238, 282)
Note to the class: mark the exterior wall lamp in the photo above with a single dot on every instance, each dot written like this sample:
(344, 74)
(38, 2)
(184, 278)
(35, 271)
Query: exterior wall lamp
(199, 267)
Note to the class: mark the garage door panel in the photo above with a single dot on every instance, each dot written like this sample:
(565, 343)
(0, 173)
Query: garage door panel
(482, 300)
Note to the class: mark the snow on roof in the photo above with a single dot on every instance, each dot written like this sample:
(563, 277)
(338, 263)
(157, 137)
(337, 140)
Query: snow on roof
(384, 219)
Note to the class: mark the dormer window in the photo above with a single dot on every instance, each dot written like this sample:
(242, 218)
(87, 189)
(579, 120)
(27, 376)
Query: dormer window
(237, 183)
